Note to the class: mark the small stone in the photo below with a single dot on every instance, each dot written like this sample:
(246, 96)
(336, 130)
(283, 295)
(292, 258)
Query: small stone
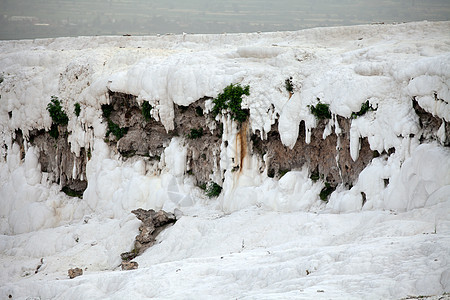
(132, 265)
(75, 272)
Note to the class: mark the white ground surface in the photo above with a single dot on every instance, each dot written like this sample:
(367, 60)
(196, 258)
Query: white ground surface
(262, 238)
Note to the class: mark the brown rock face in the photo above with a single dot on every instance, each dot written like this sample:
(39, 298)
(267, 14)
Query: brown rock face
(328, 159)
(322, 156)
(75, 272)
(152, 224)
(56, 159)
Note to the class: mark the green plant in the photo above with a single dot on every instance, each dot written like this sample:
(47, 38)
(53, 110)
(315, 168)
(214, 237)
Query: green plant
(89, 154)
(116, 130)
(288, 85)
(107, 109)
(231, 99)
(195, 133)
(321, 110)
(54, 133)
(326, 191)
(365, 107)
(57, 114)
(315, 176)
(146, 108)
(202, 186)
(77, 109)
(213, 189)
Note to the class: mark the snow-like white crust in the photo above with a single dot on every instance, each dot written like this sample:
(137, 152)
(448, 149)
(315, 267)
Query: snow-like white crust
(294, 245)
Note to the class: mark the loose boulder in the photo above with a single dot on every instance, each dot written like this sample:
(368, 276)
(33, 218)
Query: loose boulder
(75, 272)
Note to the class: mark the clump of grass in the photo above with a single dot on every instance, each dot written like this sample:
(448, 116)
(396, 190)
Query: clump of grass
(321, 110)
(54, 132)
(315, 176)
(365, 107)
(231, 99)
(59, 117)
(288, 85)
(213, 189)
(115, 129)
(107, 109)
(77, 109)
(195, 133)
(326, 191)
(146, 108)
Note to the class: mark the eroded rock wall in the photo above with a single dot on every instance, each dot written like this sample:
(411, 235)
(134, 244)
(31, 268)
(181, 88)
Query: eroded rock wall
(326, 158)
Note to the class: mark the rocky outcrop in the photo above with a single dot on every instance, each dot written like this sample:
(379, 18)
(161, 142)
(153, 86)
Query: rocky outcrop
(75, 272)
(152, 224)
(323, 157)
(55, 158)
(142, 135)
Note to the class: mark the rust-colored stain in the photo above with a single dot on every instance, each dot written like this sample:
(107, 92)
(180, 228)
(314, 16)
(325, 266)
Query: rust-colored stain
(241, 144)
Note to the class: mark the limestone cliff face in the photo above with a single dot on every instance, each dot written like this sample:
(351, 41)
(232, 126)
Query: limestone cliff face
(326, 158)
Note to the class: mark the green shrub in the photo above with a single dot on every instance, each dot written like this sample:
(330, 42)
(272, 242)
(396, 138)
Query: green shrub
(231, 98)
(288, 85)
(195, 133)
(146, 108)
(315, 176)
(77, 109)
(326, 191)
(54, 133)
(107, 109)
(116, 130)
(321, 111)
(213, 189)
(57, 114)
(365, 107)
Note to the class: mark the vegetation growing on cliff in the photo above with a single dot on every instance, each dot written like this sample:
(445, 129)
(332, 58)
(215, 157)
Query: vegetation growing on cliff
(115, 129)
(365, 107)
(59, 117)
(77, 109)
(231, 99)
(195, 133)
(213, 189)
(321, 110)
